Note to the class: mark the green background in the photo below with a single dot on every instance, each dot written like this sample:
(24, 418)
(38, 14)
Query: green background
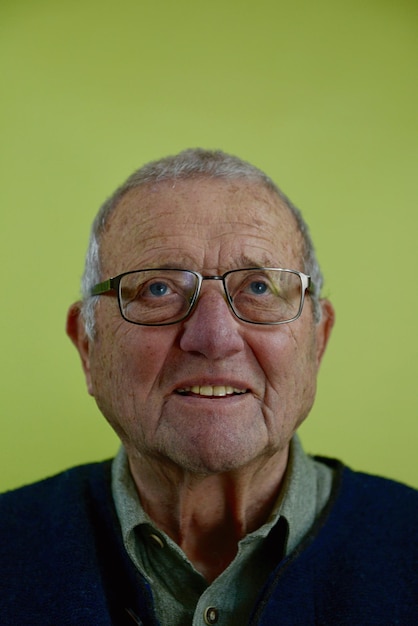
(322, 95)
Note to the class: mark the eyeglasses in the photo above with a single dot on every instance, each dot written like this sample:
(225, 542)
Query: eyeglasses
(159, 297)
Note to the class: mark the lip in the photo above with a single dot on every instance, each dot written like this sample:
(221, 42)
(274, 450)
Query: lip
(212, 388)
(212, 382)
(210, 391)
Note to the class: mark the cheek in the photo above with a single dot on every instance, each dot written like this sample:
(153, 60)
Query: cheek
(108, 377)
(145, 354)
(128, 363)
(288, 361)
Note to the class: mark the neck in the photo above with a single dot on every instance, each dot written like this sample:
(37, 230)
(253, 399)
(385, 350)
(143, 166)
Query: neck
(208, 515)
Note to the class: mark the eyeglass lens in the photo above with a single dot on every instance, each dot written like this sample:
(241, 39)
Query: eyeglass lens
(166, 296)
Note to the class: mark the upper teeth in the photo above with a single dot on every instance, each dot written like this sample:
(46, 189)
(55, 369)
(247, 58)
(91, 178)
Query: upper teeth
(209, 390)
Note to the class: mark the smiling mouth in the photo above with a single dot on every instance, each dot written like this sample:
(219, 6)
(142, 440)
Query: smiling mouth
(211, 391)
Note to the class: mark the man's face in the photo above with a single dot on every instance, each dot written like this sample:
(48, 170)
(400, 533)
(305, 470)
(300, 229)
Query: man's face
(135, 372)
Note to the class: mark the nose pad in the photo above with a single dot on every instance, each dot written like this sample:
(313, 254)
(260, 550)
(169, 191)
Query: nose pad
(212, 329)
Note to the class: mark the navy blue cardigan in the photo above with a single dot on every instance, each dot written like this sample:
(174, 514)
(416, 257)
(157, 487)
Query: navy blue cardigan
(62, 560)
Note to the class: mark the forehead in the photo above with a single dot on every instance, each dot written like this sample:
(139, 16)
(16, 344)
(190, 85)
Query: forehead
(201, 224)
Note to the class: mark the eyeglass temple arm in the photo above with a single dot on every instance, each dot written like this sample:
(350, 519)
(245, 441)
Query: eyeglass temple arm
(104, 287)
(311, 288)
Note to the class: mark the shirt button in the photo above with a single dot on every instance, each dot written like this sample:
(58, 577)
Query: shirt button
(156, 539)
(211, 615)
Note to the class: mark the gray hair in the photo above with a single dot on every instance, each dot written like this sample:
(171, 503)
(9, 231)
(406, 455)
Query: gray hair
(188, 164)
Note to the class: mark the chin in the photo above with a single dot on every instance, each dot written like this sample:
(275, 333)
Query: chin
(215, 458)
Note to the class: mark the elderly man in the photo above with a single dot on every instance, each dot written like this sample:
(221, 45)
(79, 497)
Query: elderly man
(200, 332)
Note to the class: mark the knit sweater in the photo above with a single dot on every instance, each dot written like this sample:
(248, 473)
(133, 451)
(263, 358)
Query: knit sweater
(62, 559)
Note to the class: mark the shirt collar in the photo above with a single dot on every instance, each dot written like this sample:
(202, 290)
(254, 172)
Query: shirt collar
(303, 494)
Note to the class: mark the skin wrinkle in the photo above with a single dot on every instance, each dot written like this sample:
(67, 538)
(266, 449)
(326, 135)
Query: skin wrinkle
(192, 224)
(206, 471)
(164, 241)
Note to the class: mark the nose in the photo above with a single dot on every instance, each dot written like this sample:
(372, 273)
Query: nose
(212, 329)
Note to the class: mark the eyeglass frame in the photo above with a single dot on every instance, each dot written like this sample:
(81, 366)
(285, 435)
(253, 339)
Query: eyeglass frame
(113, 285)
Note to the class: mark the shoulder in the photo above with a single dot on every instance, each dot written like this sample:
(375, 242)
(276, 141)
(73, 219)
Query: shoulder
(367, 495)
(61, 550)
(51, 503)
(372, 507)
(359, 562)
(74, 477)
(369, 526)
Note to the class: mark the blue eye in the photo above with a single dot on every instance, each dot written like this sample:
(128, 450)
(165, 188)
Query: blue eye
(258, 287)
(158, 289)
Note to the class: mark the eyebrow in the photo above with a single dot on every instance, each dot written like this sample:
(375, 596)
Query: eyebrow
(265, 261)
(186, 262)
(242, 264)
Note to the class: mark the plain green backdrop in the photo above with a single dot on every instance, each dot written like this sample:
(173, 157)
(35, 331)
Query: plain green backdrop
(321, 95)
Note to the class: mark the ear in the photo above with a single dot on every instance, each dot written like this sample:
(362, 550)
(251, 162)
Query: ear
(77, 333)
(324, 328)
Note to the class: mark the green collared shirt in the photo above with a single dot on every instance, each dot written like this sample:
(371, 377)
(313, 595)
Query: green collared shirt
(182, 596)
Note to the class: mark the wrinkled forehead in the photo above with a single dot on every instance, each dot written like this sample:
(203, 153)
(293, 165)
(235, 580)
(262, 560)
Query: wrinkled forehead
(184, 216)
